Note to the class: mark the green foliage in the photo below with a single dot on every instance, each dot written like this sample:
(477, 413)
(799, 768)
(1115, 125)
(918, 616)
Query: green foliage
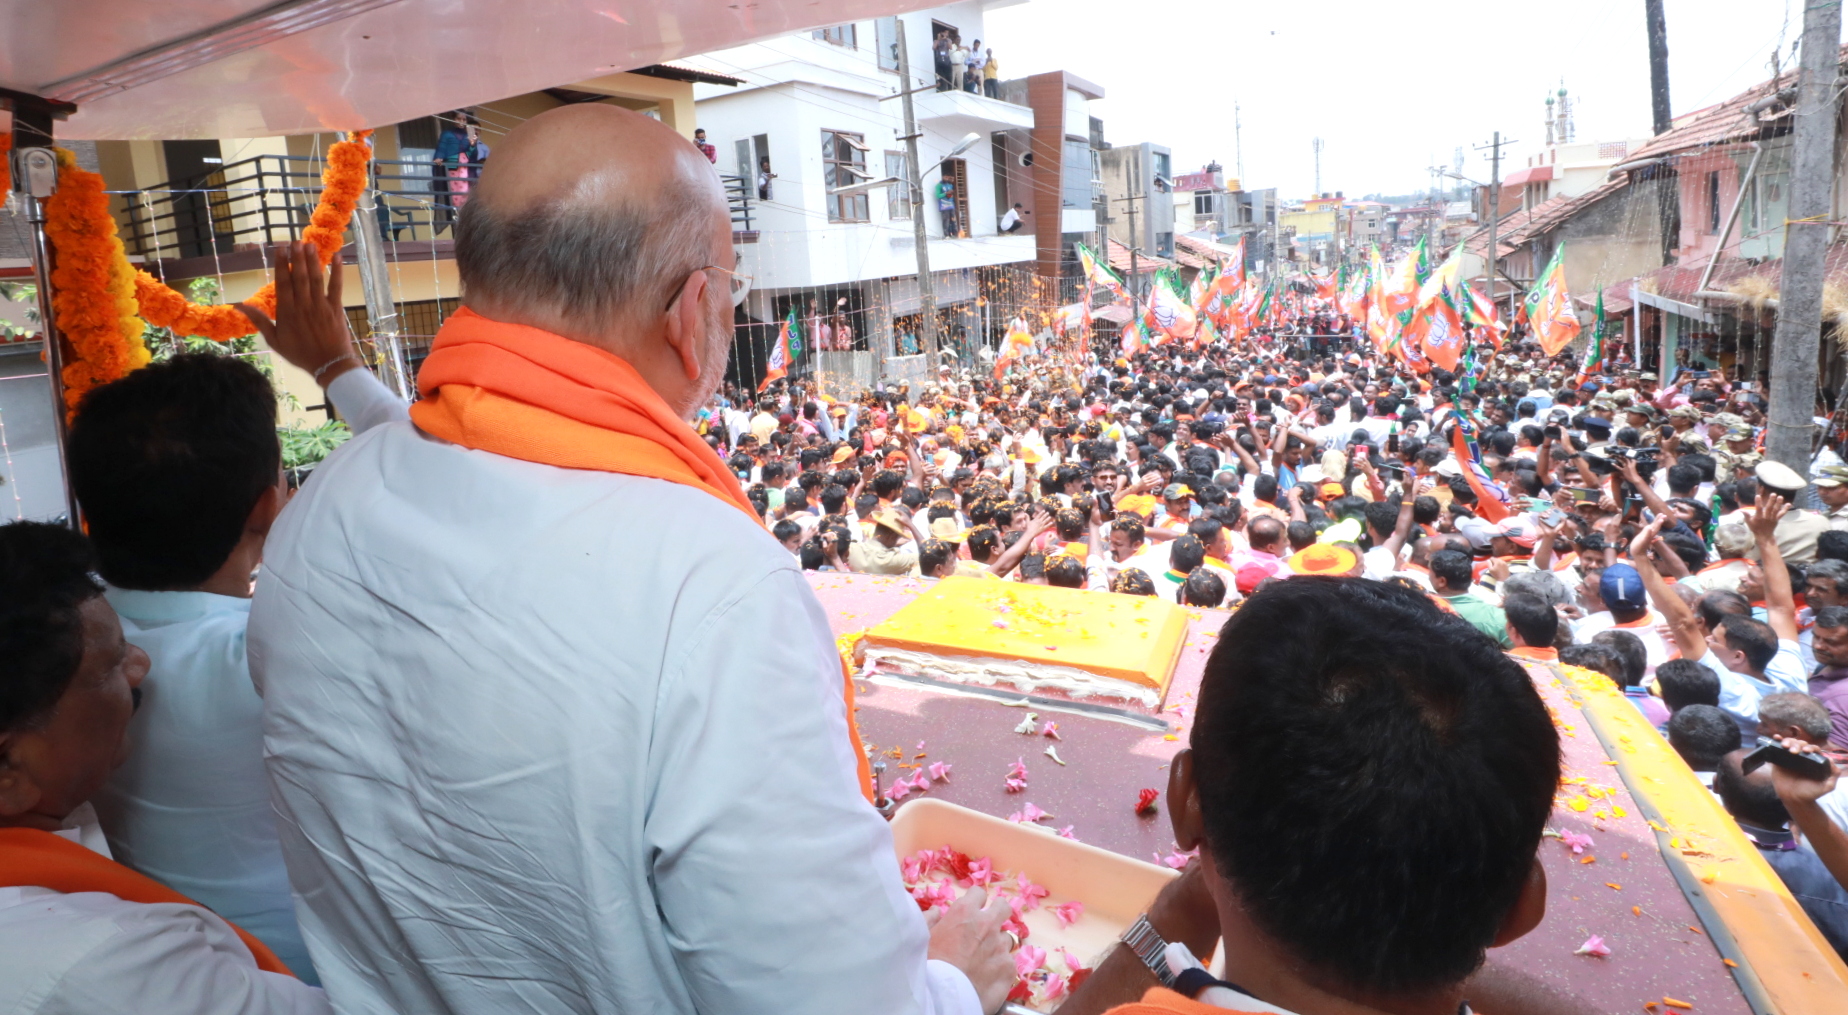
(306, 447)
(20, 292)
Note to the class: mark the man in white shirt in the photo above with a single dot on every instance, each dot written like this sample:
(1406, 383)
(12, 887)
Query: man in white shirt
(80, 933)
(526, 759)
(176, 467)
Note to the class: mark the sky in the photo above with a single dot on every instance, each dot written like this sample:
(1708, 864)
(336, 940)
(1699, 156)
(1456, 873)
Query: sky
(1391, 87)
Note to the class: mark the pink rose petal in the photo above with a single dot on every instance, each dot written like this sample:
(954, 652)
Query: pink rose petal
(1068, 912)
(1028, 959)
(1595, 946)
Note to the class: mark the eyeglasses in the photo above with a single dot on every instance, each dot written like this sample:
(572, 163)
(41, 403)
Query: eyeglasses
(740, 284)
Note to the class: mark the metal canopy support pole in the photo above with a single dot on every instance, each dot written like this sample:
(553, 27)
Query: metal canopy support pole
(35, 177)
(375, 282)
(1799, 313)
(927, 293)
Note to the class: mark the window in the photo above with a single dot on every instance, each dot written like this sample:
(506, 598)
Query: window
(898, 195)
(1075, 184)
(754, 162)
(839, 35)
(885, 36)
(843, 163)
(1713, 202)
(1163, 168)
(1203, 202)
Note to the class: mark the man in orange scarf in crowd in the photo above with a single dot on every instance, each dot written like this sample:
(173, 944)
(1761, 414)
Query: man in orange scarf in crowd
(553, 724)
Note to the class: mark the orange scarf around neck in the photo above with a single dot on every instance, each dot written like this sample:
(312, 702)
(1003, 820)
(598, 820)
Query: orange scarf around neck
(539, 397)
(529, 394)
(31, 858)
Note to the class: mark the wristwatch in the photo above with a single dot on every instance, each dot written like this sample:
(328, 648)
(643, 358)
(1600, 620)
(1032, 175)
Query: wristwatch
(1149, 946)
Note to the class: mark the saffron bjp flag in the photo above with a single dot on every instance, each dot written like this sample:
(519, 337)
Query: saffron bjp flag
(1401, 288)
(1440, 330)
(1594, 349)
(1235, 268)
(788, 338)
(1492, 502)
(1098, 273)
(1325, 285)
(1549, 306)
(1015, 345)
(1378, 321)
(1443, 280)
(1168, 307)
(1483, 314)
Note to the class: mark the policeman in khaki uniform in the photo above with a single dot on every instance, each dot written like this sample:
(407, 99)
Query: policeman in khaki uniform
(1683, 418)
(1832, 487)
(1737, 455)
(1799, 529)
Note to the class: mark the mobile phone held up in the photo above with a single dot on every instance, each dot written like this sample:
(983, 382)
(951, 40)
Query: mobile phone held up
(1809, 766)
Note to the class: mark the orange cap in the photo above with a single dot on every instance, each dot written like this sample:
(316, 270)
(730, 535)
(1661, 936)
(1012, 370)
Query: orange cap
(1323, 558)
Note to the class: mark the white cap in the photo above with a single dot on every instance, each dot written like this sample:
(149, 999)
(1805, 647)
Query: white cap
(1779, 476)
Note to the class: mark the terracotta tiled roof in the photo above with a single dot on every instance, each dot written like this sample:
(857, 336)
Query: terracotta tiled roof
(1748, 280)
(1119, 260)
(1729, 121)
(1521, 226)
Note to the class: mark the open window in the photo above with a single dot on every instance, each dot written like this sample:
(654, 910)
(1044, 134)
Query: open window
(843, 159)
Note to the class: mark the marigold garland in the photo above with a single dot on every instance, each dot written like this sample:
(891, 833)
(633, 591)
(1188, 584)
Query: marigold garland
(6, 165)
(343, 179)
(101, 301)
(92, 285)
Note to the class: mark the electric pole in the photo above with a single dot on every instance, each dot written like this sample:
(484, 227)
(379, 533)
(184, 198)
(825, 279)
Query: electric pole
(1238, 146)
(1494, 204)
(927, 294)
(1317, 145)
(1791, 436)
(1658, 65)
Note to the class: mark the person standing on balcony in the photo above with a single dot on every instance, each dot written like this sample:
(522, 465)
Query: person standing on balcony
(940, 55)
(991, 79)
(764, 176)
(959, 64)
(972, 76)
(705, 147)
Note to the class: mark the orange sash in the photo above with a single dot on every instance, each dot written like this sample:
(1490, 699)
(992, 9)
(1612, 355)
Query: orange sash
(1159, 1001)
(539, 397)
(529, 394)
(38, 859)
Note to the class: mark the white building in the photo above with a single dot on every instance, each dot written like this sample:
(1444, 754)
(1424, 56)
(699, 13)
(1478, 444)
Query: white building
(821, 111)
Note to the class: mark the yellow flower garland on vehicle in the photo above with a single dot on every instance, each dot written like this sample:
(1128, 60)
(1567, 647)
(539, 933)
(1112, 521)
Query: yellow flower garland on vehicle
(101, 301)
(92, 285)
(342, 181)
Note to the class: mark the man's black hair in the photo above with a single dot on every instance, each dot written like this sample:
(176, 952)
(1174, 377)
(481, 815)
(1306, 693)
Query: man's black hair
(1832, 545)
(833, 499)
(1264, 488)
(1753, 637)
(1186, 553)
(1532, 618)
(1133, 581)
(785, 529)
(1337, 711)
(886, 484)
(1205, 528)
(1629, 652)
(1702, 735)
(984, 541)
(1454, 567)
(1130, 526)
(1382, 518)
(772, 472)
(46, 575)
(933, 554)
(865, 504)
(1753, 801)
(1715, 605)
(1683, 479)
(1302, 534)
(1690, 549)
(912, 497)
(1685, 682)
(1593, 657)
(1065, 571)
(1832, 617)
(1264, 530)
(168, 463)
(1203, 588)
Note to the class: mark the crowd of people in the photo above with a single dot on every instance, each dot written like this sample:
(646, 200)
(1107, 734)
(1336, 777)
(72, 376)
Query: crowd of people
(523, 701)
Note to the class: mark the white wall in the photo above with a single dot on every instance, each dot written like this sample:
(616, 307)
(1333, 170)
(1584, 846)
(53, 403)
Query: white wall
(796, 88)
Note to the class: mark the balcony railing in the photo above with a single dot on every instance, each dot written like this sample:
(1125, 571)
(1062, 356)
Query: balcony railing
(269, 198)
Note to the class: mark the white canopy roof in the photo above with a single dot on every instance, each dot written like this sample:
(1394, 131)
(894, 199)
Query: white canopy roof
(252, 68)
